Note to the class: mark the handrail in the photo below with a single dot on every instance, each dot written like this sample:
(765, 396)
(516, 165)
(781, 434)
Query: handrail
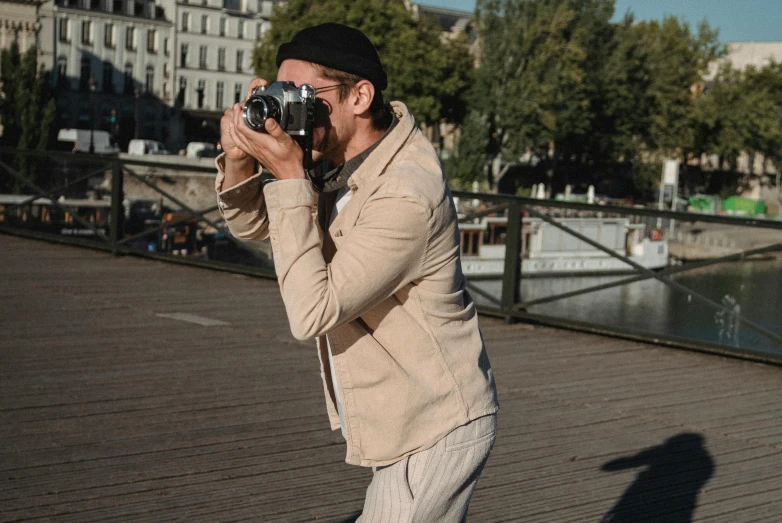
(618, 209)
(508, 303)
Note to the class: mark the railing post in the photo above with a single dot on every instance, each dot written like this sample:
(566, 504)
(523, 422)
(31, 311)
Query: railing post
(117, 210)
(511, 276)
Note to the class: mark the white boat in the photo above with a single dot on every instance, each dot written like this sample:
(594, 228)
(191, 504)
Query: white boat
(549, 251)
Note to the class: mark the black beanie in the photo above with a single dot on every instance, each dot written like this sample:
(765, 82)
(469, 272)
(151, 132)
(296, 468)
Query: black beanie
(339, 47)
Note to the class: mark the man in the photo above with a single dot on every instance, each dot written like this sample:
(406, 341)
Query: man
(370, 267)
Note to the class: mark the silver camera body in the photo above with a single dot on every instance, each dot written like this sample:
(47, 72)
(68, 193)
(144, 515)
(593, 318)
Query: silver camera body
(290, 106)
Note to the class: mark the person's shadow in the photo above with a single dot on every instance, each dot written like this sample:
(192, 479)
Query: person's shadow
(667, 489)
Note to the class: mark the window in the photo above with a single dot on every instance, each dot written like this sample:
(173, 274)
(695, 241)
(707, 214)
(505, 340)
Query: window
(219, 95)
(108, 5)
(258, 31)
(165, 69)
(84, 77)
(108, 80)
(200, 92)
(231, 4)
(183, 55)
(202, 57)
(165, 46)
(149, 81)
(128, 87)
(130, 38)
(182, 96)
(238, 93)
(64, 30)
(240, 29)
(151, 41)
(239, 61)
(223, 23)
(86, 32)
(204, 24)
(62, 71)
(185, 22)
(108, 35)
(221, 59)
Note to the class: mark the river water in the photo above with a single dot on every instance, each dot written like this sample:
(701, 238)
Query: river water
(750, 291)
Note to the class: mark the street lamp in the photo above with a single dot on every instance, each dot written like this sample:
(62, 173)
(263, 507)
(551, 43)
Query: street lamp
(92, 116)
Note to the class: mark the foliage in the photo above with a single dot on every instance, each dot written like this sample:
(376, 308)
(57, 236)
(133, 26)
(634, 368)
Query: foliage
(467, 163)
(563, 84)
(742, 111)
(429, 74)
(27, 109)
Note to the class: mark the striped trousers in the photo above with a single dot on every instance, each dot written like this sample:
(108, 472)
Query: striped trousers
(434, 485)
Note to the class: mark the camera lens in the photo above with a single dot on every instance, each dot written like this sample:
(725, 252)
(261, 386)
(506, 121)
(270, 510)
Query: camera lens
(258, 109)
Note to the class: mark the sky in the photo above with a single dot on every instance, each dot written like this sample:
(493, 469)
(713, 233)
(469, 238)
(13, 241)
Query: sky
(737, 20)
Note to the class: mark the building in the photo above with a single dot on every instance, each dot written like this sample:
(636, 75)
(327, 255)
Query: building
(212, 44)
(164, 71)
(111, 64)
(758, 54)
(19, 21)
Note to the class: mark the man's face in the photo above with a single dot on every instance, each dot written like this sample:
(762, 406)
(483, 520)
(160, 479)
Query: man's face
(333, 123)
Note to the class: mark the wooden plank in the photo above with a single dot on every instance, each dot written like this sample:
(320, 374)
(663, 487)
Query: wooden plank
(109, 411)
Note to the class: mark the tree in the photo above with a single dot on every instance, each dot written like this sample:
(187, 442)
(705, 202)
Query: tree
(741, 112)
(677, 61)
(532, 79)
(588, 98)
(467, 163)
(430, 75)
(27, 108)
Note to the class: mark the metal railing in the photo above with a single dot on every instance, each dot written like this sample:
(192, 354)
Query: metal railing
(53, 202)
(510, 302)
(62, 180)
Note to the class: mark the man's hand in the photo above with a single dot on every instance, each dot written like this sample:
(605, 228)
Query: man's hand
(274, 149)
(227, 134)
(239, 165)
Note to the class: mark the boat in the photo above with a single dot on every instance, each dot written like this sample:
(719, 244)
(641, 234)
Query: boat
(547, 250)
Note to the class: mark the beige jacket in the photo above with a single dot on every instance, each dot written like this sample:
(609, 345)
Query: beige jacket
(408, 355)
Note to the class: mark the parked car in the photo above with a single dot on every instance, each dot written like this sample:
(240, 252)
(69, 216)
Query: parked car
(101, 141)
(140, 147)
(201, 150)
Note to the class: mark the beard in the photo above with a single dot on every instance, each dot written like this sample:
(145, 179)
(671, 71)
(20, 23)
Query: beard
(327, 145)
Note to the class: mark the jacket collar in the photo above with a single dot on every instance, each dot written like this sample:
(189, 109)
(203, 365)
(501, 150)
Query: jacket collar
(377, 161)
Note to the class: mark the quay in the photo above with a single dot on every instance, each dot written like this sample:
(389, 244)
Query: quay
(141, 391)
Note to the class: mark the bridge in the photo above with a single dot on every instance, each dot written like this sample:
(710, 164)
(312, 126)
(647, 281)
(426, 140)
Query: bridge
(138, 390)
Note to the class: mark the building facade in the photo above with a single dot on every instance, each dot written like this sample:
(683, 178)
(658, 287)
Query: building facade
(19, 22)
(212, 45)
(111, 64)
(162, 70)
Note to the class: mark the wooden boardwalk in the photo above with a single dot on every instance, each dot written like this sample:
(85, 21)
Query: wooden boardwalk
(110, 411)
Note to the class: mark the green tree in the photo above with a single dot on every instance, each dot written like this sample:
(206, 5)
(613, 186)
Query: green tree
(532, 83)
(428, 74)
(677, 61)
(27, 108)
(467, 163)
(741, 112)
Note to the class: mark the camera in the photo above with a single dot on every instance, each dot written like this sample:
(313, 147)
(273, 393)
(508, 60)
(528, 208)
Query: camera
(292, 107)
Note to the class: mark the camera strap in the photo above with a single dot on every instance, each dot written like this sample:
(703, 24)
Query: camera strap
(306, 147)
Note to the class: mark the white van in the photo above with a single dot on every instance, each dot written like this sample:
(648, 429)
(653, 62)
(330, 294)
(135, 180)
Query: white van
(201, 150)
(138, 146)
(81, 140)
